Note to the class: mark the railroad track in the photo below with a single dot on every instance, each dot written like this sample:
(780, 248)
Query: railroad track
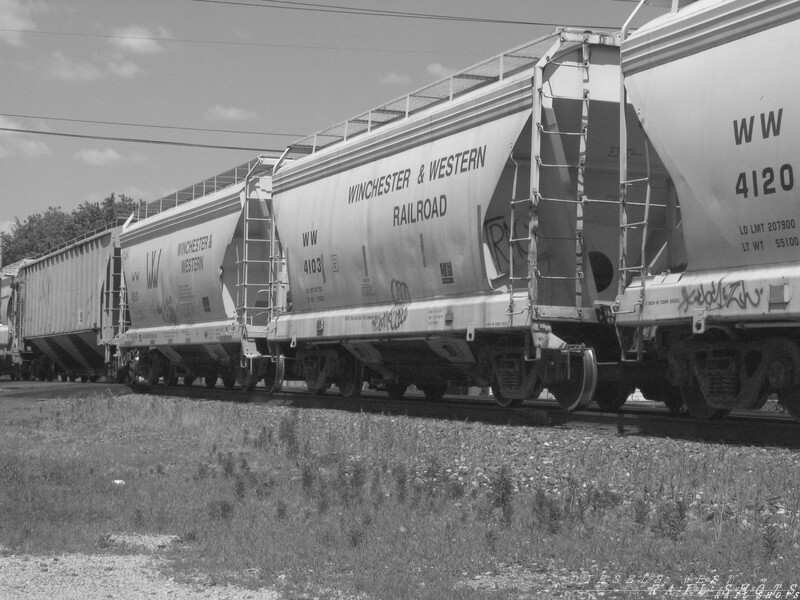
(642, 418)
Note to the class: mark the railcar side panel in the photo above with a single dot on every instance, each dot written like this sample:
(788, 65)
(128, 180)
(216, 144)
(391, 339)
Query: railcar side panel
(175, 264)
(720, 109)
(406, 226)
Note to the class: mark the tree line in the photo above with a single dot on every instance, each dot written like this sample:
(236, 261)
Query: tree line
(41, 232)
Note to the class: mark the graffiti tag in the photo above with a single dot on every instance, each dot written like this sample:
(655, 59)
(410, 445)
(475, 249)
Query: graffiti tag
(720, 295)
(393, 319)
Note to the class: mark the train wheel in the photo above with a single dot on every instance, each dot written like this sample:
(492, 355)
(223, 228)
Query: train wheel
(211, 380)
(123, 374)
(696, 404)
(577, 392)
(790, 400)
(612, 395)
(349, 376)
(152, 371)
(273, 378)
(188, 380)
(316, 389)
(64, 377)
(501, 400)
(171, 380)
(668, 394)
(228, 381)
(396, 390)
(434, 391)
(247, 379)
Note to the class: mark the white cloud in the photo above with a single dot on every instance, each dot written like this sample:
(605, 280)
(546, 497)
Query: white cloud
(124, 69)
(222, 113)
(20, 144)
(139, 40)
(64, 68)
(5, 226)
(14, 15)
(67, 69)
(439, 70)
(99, 158)
(395, 79)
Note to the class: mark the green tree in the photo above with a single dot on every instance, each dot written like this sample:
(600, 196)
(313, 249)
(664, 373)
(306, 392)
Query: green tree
(42, 232)
(37, 234)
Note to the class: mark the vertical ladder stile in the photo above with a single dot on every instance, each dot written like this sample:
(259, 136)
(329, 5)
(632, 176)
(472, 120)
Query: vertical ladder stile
(581, 181)
(626, 271)
(570, 170)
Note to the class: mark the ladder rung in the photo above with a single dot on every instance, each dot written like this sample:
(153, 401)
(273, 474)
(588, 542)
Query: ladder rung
(559, 132)
(628, 269)
(634, 225)
(583, 98)
(557, 166)
(565, 200)
(635, 181)
(560, 278)
(556, 237)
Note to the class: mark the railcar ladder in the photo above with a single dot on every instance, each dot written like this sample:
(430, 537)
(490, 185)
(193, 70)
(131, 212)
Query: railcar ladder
(113, 299)
(562, 166)
(114, 306)
(518, 244)
(627, 271)
(260, 268)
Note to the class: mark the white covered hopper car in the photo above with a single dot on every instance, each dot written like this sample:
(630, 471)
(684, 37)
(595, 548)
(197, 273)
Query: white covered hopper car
(468, 233)
(200, 289)
(712, 91)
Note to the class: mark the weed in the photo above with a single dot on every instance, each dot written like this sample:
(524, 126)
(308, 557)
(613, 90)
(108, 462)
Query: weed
(490, 538)
(202, 472)
(240, 487)
(220, 510)
(400, 474)
(264, 438)
(323, 497)
(358, 477)
(671, 519)
(546, 513)
(308, 474)
(454, 489)
(287, 435)
(641, 511)
(265, 488)
(770, 537)
(281, 510)
(138, 518)
(355, 530)
(502, 487)
(227, 462)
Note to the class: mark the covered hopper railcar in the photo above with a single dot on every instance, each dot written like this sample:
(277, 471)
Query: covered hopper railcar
(711, 91)
(469, 233)
(63, 310)
(202, 283)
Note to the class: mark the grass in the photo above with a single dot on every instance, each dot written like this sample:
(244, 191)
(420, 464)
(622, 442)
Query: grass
(389, 506)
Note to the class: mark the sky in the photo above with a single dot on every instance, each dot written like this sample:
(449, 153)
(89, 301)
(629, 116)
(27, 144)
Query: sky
(246, 76)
